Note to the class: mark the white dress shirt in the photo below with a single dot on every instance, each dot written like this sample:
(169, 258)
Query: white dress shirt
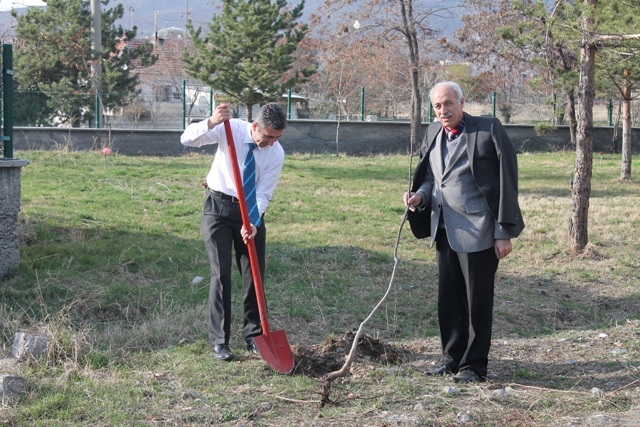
(269, 160)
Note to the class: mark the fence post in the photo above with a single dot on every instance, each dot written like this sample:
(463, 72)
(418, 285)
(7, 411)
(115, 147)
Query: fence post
(184, 103)
(97, 100)
(553, 119)
(362, 104)
(289, 104)
(7, 100)
(493, 104)
(610, 113)
(10, 170)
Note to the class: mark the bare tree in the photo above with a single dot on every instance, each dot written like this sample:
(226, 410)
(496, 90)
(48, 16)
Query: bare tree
(383, 20)
(513, 40)
(590, 40)
(619, 65)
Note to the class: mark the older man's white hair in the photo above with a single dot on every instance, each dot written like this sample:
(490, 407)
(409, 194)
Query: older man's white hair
(452, 85)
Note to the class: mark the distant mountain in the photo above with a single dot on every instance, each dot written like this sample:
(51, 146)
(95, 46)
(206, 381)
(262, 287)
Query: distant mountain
(172, 13)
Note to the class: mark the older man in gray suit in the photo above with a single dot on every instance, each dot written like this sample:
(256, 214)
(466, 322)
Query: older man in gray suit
(465, 197)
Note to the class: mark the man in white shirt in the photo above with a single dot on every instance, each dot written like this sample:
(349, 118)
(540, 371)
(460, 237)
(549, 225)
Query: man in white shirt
(222, 226)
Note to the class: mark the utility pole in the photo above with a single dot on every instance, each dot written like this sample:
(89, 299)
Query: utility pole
(96, 44)
(155, 30)
(96, 47)
(186, 20)
(131, 9)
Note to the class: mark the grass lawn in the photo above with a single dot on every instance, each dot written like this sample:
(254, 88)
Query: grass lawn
(108, 261)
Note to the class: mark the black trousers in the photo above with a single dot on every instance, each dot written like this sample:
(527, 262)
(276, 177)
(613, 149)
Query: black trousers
(465, 304)
(221, 226)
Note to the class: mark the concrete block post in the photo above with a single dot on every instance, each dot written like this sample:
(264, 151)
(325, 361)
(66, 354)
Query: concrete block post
(10, 186)
(29, 345)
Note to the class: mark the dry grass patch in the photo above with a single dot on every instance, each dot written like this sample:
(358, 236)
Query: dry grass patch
(117, 250)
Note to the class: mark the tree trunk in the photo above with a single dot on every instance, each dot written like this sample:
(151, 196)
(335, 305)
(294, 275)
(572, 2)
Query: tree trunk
(571, 114)
(583, 168)
(249, 112)
(338, 131)
(625, 171)
(416, 108)
(409, 31)
(614, 142)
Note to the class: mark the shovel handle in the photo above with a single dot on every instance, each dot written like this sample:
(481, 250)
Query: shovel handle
(246, 222)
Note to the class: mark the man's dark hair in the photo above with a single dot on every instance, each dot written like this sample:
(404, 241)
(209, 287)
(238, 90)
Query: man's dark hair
(272, 115)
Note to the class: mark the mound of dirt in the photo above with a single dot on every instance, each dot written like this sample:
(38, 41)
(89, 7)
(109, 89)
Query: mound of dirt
(330, 355)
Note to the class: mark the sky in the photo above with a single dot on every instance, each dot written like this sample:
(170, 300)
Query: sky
(171, 13)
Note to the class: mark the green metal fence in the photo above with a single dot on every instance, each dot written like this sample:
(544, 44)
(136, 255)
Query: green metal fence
(173, 107)
(366, 104)
(6, 141)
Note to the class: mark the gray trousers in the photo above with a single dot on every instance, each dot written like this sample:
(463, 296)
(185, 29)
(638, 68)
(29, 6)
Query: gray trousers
(221, 225)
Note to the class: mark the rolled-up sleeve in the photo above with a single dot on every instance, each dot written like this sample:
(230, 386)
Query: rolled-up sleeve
(199, 134)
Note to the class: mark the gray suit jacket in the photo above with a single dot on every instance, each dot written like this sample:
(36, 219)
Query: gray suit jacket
(477, 193)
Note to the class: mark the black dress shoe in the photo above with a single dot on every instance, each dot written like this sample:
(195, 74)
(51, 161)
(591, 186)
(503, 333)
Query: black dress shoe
(222, 352)
(252, 347)
(467, 376)
(442, 370)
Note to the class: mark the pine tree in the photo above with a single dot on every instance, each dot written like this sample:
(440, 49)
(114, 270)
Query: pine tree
(600, 34)
(54, 56)
(618, 65)
(248, 49)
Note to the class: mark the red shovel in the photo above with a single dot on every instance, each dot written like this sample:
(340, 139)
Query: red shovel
(273, 346)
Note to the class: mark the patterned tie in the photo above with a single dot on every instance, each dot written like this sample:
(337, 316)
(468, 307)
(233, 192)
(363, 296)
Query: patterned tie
(249, 185)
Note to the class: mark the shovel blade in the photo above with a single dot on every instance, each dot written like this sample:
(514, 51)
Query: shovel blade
(274, 349)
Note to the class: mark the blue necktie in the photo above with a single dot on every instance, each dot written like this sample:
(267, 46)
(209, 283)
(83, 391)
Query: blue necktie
(249, 184)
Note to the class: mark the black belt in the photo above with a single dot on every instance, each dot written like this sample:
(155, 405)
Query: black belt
(221, 195)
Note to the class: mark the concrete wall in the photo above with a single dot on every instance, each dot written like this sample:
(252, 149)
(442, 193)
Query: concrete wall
(301, 136)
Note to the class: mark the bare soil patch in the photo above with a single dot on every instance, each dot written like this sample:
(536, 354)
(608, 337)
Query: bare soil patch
(319, 360)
